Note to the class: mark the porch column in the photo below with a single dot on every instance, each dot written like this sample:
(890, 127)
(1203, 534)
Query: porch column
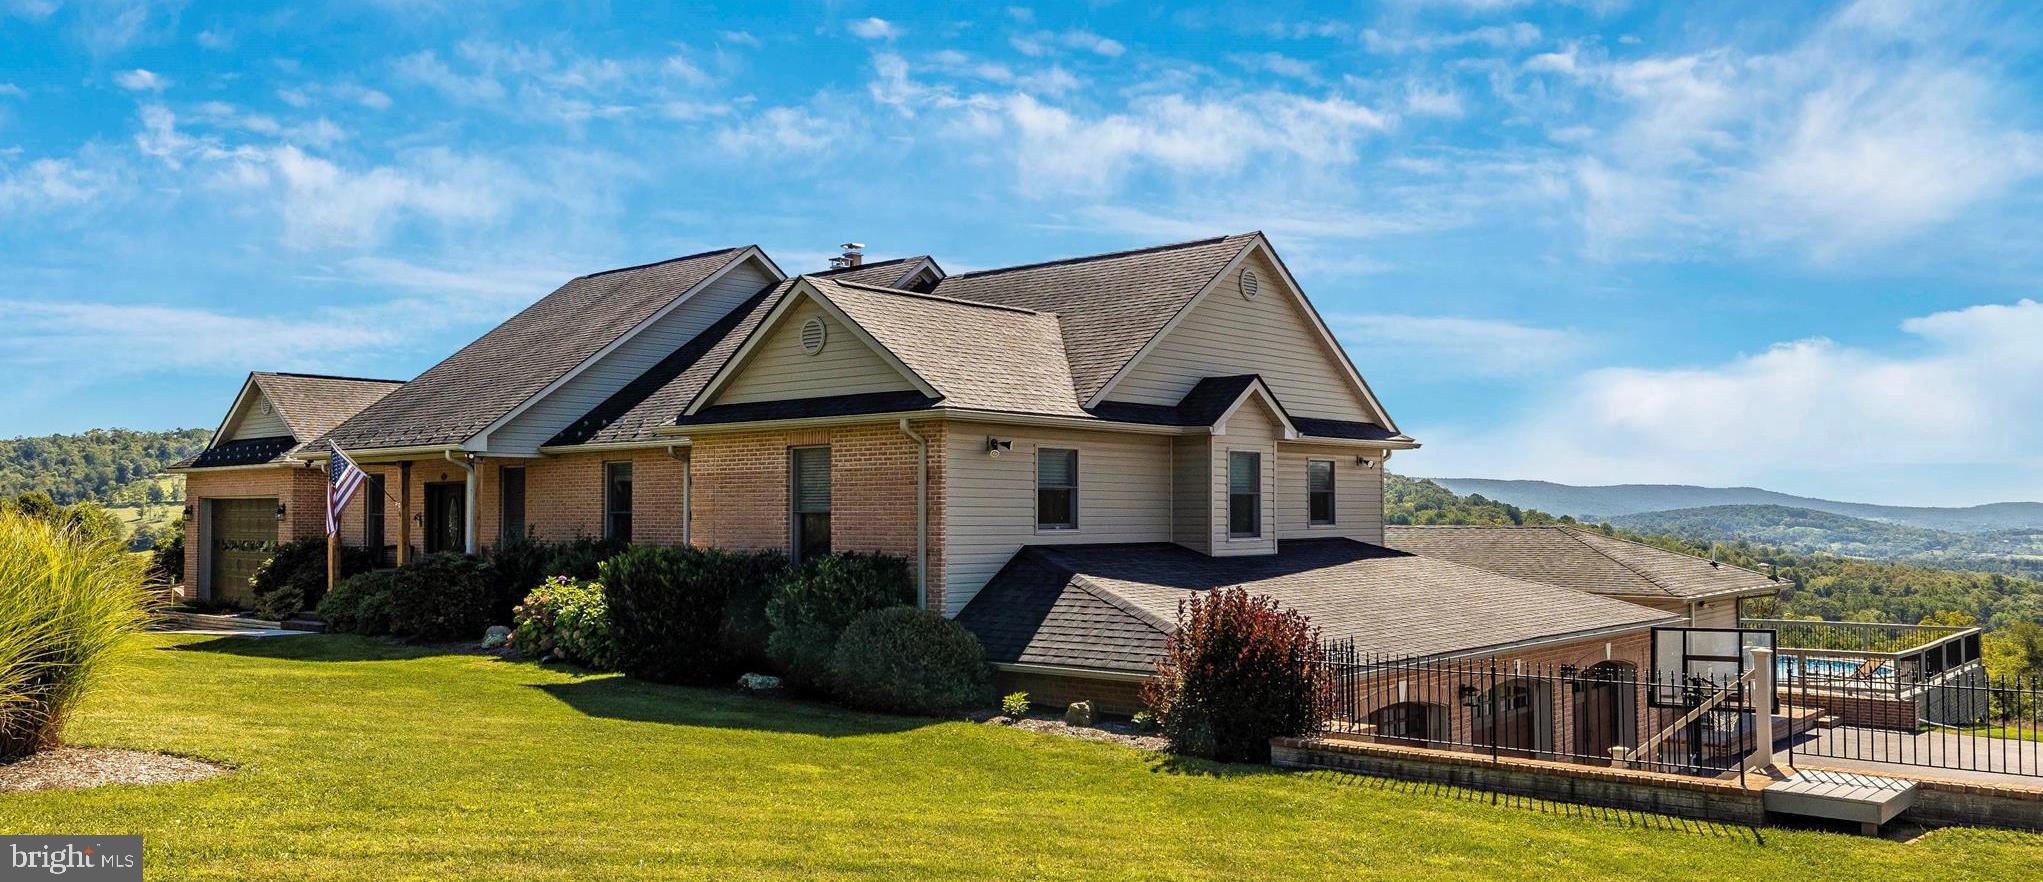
(404, 513)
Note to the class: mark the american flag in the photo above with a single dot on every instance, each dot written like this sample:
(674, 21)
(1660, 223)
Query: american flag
(343, 479)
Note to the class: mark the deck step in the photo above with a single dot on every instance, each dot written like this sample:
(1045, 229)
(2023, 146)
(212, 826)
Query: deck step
(1869, 800)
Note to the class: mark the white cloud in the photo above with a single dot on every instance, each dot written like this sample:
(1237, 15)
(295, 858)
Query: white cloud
(1512, 36)
(51, 183)
(1459, 346)
(510, 285)
(739, 38)
(128, 338)
(874, 29)
(12, 91)
(1964, 391)
(1423, 100)
(33, 10)
(139, 80)
(1088, 41)
(215, 38)
(781, 132)
(1059, 148)
(1280, 64)
(1863, 134)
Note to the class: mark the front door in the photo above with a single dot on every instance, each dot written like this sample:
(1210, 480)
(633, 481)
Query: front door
(446, 516)
(242, 534)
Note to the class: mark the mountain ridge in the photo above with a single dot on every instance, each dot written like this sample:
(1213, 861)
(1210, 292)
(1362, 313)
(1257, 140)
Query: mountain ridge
(1599, 502)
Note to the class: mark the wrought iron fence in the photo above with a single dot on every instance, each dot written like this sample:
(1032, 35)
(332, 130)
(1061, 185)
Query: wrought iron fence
(1607, 714)
(1962, 719)
(1870, 656)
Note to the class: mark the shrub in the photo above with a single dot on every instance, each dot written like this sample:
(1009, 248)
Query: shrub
(580, 558)
(360, 604)
(166, 560)
(814, 604)
(568, 620)
(294, 577)
(687, 615)
(906, 660)
(517, 567)
(441, 596)
(1236, 672)
(1015, 704)
(69, 601)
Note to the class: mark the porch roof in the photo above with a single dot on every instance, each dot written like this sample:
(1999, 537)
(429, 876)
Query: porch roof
(1107, 607)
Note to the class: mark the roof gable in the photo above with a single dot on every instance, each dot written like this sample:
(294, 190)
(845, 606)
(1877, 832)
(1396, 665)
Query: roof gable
(777, 364)
(302, 407)
(1271, 329)
(494, 377)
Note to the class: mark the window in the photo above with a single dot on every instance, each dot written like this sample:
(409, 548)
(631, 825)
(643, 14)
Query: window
(511, 502)
(617, 501)
(1056, 489)
(372, 516)
(1244, 494)
(809, 503)
(1319, 491)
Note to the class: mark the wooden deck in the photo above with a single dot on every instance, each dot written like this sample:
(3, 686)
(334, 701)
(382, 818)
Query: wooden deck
(1870, 800)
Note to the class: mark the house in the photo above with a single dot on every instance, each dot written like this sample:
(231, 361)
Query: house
(1065, 450)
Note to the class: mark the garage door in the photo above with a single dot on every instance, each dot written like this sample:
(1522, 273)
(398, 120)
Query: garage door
(244, 534)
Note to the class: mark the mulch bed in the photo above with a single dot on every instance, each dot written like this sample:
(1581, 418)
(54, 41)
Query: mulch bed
(1124, 734)
(77, 767)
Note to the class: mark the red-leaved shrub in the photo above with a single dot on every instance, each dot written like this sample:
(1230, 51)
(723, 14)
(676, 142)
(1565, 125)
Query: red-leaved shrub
(1237, 671)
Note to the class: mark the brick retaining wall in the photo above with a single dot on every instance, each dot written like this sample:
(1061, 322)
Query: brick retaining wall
(1704, 798)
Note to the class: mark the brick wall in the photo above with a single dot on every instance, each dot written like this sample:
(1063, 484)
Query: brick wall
(741, 490)
(1119, 697)
(301, 490)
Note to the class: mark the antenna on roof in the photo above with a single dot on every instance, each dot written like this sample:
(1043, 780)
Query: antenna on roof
(854, 254)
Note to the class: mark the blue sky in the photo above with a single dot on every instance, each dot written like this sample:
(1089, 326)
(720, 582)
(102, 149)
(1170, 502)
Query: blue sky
(1591, 242)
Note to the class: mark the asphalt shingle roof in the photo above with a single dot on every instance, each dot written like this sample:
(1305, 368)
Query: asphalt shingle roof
(977, 356)
(883, 273)
(1579, 559)
(1088, 605)
(475, 386)
(1110, 305)
(310, 405)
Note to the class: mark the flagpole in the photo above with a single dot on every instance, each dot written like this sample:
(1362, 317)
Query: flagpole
(333, 535)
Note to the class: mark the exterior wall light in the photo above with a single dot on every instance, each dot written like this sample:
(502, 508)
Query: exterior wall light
(280, 511)
(996, 446)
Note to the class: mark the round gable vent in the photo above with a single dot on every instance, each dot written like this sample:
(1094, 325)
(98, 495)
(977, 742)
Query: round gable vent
(813, 334)
(267, 408)
(1249, 284)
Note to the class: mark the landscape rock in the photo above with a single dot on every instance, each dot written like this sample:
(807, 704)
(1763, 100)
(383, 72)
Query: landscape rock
(759, 683)
(496, 636)
(1079, 714)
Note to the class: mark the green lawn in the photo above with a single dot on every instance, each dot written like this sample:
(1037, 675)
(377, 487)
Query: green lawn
(361, 760)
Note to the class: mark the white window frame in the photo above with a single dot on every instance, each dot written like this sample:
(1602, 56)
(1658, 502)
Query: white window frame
(1262, 529)
(1333, 491)
(1036, 490)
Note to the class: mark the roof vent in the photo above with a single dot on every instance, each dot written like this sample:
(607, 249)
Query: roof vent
(854, 254)
(813, 334)
(1249, 284)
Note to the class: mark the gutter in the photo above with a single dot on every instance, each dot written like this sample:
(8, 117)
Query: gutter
(921, 516)
(286, 463)
(979, 416)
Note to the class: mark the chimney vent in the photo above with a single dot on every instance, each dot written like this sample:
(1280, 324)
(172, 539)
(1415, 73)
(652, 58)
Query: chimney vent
(854, 255)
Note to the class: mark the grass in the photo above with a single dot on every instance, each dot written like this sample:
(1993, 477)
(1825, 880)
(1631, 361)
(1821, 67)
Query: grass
(358, 759)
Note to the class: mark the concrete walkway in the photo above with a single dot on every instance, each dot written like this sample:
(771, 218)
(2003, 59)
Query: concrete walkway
(1943, 755)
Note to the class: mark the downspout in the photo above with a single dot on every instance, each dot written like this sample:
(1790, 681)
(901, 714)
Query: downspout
(467, 508)
(687, 490)
(921, 516)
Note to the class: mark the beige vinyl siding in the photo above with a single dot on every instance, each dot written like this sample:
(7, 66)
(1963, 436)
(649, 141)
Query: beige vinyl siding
(990, 506)
(1226, 335)
(545, 418)
(1192, 492)
(1358, 494)
(251, 422)
(1714, 614)
(1252, 428)
(779, 370)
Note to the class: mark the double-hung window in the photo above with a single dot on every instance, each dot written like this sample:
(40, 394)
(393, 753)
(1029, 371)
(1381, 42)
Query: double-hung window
(809, 502)
(511, 502)
(1319, 491)
(617, 501)
(1056, 489)
(1244, 494)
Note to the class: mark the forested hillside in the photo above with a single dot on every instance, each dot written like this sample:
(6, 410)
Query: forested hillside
(2018, 552)
(97, 465)
(1617, 500)
(1823, 585)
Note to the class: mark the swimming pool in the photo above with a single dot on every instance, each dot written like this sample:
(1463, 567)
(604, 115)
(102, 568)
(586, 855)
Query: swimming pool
(1828, 667)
